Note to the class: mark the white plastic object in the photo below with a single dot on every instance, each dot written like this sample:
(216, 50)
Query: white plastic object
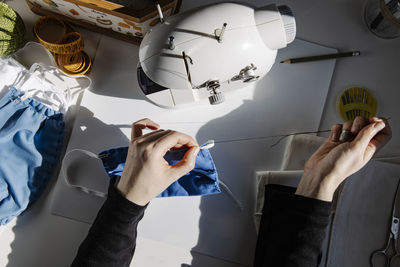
(251, 36)
(207, 145)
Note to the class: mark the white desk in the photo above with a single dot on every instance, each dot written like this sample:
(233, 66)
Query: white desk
(40, 239)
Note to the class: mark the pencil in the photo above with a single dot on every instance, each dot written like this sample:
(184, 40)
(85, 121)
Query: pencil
(321, 57)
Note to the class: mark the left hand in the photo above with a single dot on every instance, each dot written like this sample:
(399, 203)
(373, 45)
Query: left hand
(146, 173)
(335, 160)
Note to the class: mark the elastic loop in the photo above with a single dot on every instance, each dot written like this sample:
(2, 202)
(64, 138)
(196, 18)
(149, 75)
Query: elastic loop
(66, 162)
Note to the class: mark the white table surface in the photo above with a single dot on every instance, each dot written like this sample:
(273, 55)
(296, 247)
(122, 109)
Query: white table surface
(38, 238)
(211, 225)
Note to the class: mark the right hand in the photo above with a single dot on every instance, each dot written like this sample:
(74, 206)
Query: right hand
(335, 160)
(146, 173)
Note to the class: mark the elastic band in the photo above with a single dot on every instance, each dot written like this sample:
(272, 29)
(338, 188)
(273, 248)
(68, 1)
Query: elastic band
(68, 180)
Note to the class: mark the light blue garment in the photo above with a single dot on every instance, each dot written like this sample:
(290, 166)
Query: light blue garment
(202, 180)
(31, 136)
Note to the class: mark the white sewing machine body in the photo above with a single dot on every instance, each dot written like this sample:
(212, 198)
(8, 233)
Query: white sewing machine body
(211, 50)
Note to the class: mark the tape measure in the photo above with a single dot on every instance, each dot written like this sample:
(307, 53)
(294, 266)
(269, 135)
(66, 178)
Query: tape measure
(64, 43)
(357, 101)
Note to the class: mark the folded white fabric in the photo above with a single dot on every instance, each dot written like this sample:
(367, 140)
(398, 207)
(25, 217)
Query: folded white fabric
(10, 73)
(299, 149)
(38, 77)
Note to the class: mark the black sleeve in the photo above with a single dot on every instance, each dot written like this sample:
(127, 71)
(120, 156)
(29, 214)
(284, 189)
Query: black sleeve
(111, 240)
(292, 229)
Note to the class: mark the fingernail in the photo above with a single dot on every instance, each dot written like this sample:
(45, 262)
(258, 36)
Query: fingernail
(375, 119)
(380, 125)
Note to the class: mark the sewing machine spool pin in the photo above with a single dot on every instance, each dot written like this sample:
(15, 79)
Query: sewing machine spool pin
(171, 43)
(187, 66)
(219, 33)
(160, 14)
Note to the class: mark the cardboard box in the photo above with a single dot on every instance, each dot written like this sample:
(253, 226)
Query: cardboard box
(128, 20)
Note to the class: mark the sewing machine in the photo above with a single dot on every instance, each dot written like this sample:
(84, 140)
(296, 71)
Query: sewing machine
(208, 51)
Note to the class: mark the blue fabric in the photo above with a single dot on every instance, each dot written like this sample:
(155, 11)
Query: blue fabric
(202, 180)
(31, 136)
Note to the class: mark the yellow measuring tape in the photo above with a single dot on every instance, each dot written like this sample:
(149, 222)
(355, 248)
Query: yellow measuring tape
(64, 43)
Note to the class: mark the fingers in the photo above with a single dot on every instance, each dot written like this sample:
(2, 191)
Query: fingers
(383, 137)
(387, 130)
(174, 139)
(139, 125)
(347, 126)
(186, 164)
(352, 128)
(358, 123)
(152, 137)
(335, 132)
(346, 134)
(365, 136)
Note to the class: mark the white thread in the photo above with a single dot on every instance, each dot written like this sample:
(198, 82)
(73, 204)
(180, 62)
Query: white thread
(282, 136)
(231, 195)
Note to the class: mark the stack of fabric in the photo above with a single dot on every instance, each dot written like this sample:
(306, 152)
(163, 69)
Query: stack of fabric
(31, 128)
(31, 137)
(12, 30)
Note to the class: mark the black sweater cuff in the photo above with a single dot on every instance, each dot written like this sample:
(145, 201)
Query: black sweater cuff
(121, 207)
(278, 196)
(111, 240)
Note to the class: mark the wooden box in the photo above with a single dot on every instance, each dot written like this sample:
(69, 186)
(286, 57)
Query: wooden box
(128, 20)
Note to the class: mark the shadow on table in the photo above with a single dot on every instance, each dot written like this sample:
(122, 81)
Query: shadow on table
(42, 239)
(114, 72)
(220, 215)
(220, 212)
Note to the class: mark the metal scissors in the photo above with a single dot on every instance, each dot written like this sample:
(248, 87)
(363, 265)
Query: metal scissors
(381, 257)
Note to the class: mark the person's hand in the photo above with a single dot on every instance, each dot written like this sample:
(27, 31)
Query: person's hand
(336, 159)
(146, 173)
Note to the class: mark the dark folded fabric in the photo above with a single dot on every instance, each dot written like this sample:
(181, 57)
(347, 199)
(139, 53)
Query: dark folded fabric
(292, 229)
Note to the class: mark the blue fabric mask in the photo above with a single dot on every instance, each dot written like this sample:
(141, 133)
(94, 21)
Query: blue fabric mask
(31, 136)
(202, 180)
